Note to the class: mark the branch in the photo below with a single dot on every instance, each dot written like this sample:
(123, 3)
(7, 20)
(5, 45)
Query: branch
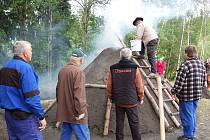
(79, 3)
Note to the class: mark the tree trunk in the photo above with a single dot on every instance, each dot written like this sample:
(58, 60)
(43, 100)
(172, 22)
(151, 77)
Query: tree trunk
(49, 51)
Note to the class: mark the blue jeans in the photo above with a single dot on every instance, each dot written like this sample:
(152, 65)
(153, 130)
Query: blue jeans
(27, 129)
(188, 117)
(80, 130)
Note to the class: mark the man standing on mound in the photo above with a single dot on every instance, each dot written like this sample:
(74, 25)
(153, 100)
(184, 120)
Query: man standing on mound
(150, 40)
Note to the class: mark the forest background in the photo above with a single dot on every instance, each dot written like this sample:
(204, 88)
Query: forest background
(56, 27)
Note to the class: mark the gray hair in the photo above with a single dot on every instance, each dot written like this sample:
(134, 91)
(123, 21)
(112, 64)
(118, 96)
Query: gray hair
(125, 53)
(20, 47)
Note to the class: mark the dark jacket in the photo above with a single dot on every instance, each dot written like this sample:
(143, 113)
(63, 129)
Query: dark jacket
(124, 90)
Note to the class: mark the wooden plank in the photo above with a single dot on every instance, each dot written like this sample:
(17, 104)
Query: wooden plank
(107, 117)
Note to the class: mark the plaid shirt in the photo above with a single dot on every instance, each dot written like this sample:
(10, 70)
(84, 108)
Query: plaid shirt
(190, 80)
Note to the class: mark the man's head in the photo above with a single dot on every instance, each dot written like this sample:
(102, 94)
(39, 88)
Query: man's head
(23, 49)
(190, 52)
(137, 21)
(78, 56)
(125, 53)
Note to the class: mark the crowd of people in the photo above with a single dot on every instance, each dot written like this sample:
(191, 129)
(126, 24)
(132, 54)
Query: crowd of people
(24, 114)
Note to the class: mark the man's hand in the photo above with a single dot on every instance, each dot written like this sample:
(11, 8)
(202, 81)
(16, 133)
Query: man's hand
(57, 125)
(81, 116)
(141, 102)
(42, 124)
(173, 97)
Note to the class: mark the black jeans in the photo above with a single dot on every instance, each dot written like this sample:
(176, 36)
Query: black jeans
(133, 120)
(151, 50)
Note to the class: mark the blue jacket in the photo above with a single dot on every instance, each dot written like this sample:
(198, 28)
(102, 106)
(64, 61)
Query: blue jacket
(19, 88)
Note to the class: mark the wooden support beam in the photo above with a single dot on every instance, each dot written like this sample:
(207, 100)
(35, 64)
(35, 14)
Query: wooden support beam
(107, 117)
(174, 114)
(155, 106)
(94, 86)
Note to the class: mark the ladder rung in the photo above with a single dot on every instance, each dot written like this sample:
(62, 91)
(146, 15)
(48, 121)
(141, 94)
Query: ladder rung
(174, 114)
(152, 77)
(162, 88)
(167, 100)
(144, 66)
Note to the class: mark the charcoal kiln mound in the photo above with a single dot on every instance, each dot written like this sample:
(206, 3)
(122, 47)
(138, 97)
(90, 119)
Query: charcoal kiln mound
(96, 73)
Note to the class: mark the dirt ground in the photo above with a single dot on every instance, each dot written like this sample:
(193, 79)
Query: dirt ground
(95, 74)
(203, 129)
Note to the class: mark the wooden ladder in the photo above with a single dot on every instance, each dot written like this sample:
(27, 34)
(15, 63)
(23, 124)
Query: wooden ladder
(170, 106)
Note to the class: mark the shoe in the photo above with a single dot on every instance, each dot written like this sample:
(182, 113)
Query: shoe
(183, 138)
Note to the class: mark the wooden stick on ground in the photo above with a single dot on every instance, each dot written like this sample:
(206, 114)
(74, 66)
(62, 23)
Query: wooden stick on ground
(50, 106)
(86, 85)
(107, 117)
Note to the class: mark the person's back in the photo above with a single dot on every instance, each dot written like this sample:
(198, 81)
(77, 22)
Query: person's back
(125, 89)
(194, 74)
(70, 78)
(71, 99)
(188, 87)
(123, 76)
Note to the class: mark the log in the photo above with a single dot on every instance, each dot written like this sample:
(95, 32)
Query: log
(50, 106)
(164, 104)
(161, 109)
(155, 106)
(94, 86)
(86, 85)
(107, 117)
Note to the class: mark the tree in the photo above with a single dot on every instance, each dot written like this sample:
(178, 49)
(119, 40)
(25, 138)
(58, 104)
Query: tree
(85, 10)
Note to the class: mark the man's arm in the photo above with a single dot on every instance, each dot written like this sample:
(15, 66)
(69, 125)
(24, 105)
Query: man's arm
(139, 85)
(79, 94)
(180, 79)
(109, 86)
(30, 90)
(139, 31)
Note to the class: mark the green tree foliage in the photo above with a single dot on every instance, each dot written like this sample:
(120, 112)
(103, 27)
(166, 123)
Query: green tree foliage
(49, 25)
(175, 34)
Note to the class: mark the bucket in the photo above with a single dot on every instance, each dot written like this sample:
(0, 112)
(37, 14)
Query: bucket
(135, 45)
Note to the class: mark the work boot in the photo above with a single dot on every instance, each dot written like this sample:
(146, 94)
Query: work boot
(183, 138)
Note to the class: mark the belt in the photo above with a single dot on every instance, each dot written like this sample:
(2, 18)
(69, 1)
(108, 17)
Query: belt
(18, 114)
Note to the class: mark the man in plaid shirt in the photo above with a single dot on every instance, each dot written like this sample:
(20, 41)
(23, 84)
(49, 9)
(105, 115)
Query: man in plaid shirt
(188, 87)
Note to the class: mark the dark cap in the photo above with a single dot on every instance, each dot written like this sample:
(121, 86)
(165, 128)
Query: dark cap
(137, 19)
(78, 53)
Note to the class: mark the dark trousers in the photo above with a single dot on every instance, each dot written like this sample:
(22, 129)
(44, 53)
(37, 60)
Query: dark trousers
(151, 53)
(24, 129)
(142, 52)
(133, 120)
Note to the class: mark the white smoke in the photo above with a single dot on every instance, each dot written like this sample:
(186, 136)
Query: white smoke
(120, 14)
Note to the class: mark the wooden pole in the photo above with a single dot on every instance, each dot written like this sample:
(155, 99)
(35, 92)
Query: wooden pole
(49, 106)
(94, 86)
(107, 117)
(161, 110)
(155, 106)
